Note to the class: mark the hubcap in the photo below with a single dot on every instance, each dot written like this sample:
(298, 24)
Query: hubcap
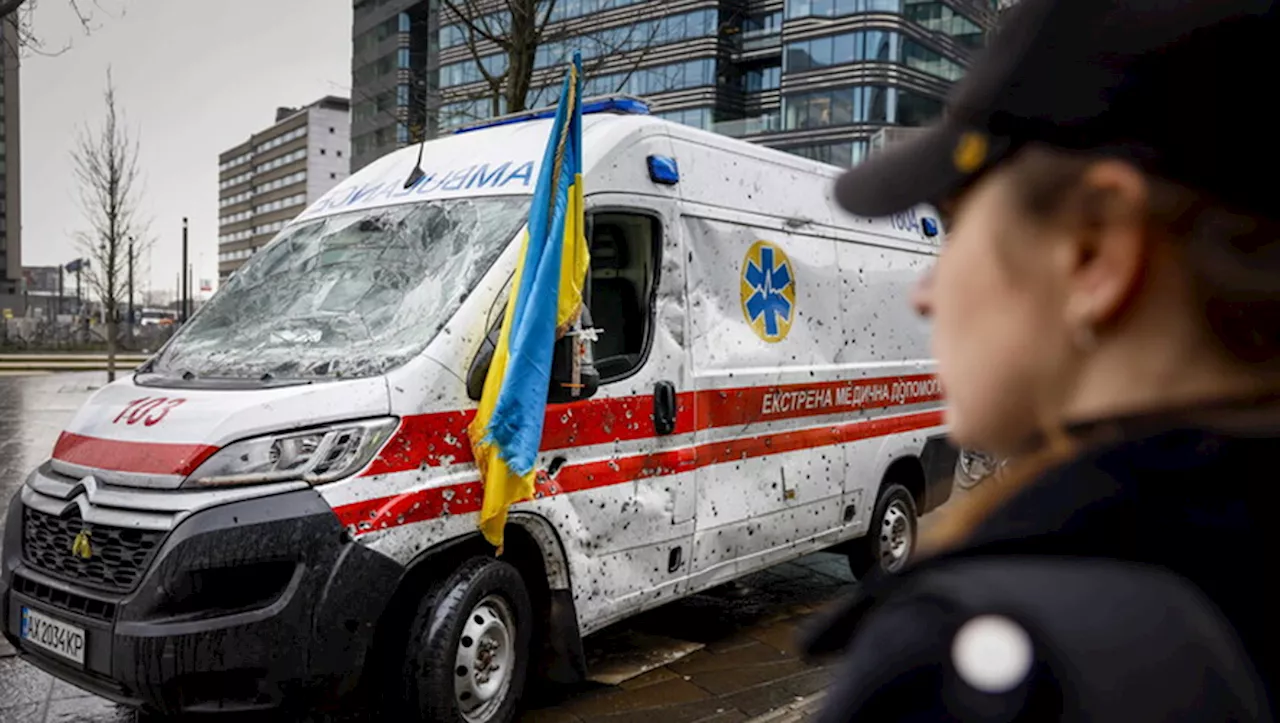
(975, 467)
(486, 659)
(895, 537)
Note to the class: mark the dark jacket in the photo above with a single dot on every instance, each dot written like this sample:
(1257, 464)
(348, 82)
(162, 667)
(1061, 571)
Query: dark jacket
(1138, 573)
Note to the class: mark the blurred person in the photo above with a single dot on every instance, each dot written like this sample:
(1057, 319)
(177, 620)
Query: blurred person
(1106, 312)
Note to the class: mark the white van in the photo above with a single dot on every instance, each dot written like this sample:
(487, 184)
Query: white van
(283, 501)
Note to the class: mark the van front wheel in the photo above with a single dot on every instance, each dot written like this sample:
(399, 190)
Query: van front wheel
(468, 648)
(891, 539)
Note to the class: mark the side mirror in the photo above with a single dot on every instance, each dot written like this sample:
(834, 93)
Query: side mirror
(561, 387)
(480, 365)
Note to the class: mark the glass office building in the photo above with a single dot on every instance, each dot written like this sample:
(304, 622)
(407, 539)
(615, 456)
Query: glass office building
(392, 44)
(847, 68)
(814, 77)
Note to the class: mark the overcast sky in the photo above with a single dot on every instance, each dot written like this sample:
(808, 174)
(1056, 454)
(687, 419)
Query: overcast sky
(194, 78)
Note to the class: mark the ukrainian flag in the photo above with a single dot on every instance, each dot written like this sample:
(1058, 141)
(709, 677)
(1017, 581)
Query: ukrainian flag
(545, 303)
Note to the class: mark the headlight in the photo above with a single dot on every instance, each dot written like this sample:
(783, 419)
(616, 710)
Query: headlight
(316, 456)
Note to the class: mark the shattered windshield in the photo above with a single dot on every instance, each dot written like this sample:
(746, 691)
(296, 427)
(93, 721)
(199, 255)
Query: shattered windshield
(351, 295)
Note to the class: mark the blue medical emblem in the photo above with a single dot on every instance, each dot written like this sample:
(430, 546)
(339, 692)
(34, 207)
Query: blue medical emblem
(768, 291)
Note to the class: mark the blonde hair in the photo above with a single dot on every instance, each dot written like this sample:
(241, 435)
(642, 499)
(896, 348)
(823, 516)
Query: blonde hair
(1232, 260)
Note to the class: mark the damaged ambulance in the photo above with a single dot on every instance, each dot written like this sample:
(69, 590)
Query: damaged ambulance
(282, 503)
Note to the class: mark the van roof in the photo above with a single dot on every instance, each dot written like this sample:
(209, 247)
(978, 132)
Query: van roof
(504, 159)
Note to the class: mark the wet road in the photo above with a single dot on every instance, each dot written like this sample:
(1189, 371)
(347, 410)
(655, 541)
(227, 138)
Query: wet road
(33, 410)
(719, 657)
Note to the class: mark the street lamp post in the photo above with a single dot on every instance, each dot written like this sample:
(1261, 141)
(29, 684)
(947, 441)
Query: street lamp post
(131, 312)
(186, 299)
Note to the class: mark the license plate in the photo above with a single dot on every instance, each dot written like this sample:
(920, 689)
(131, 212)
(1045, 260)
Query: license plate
(55, 636)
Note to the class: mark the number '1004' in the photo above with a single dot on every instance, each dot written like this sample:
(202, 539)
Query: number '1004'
(905, 221)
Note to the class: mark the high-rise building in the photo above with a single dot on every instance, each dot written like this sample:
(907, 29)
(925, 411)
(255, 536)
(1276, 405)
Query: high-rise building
(267, 180)
(10, 172)
(392, 76)
(817, 78)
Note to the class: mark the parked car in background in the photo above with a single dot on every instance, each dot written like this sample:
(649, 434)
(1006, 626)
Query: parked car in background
(156, 317)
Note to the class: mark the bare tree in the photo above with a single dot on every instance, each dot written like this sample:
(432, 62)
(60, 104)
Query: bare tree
(518, 28)
(18, 13)
(106, 166)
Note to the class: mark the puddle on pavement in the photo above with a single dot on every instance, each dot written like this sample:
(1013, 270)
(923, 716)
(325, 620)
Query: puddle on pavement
(631, 653)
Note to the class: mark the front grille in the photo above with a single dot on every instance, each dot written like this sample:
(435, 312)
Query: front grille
(118, 557)
(63, 600)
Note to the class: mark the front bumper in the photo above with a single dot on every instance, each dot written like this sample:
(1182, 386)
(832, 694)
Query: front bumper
(242, 606)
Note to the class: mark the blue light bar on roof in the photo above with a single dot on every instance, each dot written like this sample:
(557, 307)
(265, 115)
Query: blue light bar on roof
(620, 104)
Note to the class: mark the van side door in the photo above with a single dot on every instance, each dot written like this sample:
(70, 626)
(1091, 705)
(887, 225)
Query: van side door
(765, 330)
(619, 465)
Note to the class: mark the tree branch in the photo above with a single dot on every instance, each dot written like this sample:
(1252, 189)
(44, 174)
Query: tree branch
(546, 18)
(634, 63)
(475, 23)
(471, 21)
(19, 12)
(624, 45)
(608, 54)
(86, 19)
(105, 162)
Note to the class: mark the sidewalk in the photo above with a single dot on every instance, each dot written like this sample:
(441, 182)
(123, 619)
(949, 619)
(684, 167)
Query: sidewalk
(804, 710)
(746, 666)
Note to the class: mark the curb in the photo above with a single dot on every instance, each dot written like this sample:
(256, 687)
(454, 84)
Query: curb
(801, 710)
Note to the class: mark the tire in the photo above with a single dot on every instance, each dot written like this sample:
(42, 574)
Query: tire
(891, 538)
(477, 622)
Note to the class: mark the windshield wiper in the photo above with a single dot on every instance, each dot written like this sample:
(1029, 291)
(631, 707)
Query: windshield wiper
(189, 379)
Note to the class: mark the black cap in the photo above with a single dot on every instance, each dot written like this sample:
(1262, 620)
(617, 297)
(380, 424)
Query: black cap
(1179, 87)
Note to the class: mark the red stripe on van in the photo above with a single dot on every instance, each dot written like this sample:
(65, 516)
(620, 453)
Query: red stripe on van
(440, 439)
(422, 505)
(750, 405)
(137, 457)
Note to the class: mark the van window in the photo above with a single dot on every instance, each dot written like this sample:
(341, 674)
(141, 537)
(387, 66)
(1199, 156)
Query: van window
(624, 273)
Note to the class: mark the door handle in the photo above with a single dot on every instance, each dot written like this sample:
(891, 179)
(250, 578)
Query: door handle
(664, 408)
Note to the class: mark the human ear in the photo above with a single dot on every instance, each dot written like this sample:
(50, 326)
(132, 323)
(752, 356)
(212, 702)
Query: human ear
(1106, 255)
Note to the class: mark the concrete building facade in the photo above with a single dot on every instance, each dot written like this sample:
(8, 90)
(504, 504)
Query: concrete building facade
(271, 177)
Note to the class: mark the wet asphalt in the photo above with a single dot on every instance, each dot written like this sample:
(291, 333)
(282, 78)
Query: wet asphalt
(724, 656)
(33, 410)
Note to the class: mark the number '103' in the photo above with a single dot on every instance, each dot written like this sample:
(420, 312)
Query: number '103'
(150, 411)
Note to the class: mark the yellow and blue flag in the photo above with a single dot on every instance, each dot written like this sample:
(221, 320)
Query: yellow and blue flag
(546, 301)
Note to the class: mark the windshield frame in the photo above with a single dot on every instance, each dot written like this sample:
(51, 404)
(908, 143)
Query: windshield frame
(152, 374)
